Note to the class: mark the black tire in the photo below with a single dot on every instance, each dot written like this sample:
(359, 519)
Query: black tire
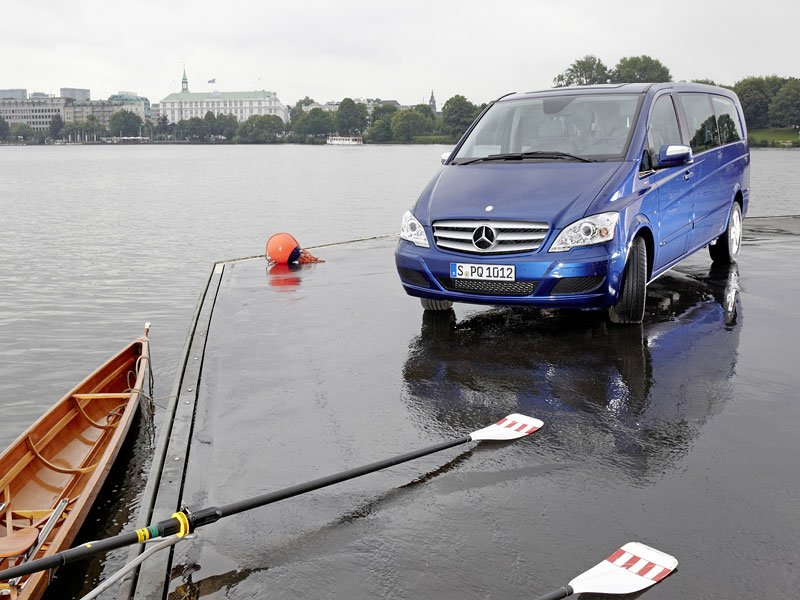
(630, 304)
(726, 250)
(429, 304)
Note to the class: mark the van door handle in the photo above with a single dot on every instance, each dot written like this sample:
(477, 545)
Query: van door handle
(688, 174)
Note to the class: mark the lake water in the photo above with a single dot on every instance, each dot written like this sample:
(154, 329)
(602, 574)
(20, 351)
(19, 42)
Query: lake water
(97, 240)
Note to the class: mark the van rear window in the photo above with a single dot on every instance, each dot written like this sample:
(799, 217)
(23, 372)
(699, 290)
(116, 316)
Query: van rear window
(730, 128)
(703, 132)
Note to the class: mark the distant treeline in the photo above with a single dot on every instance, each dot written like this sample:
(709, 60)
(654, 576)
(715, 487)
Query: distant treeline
(386, 124)
(768, 101)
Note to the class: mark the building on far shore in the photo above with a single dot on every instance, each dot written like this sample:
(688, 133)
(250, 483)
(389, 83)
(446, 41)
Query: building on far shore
(14, 94)
(132, 98)
(371, 103)
(34, 112)
(243, 105)
(77, 94)
(102, 110)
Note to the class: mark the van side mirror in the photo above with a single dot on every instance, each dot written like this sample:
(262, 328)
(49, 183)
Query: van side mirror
(674, 156)
(445, 156)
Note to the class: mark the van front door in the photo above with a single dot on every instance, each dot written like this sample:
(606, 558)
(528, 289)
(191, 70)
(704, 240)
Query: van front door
(673, 185)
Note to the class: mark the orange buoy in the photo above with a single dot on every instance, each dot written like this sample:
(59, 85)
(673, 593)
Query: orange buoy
(282, 248)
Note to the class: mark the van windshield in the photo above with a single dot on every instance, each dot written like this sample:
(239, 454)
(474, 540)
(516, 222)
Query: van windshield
(578, 127)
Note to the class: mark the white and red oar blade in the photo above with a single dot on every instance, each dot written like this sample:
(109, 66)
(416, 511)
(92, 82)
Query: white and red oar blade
(511, 427)
(632, 568)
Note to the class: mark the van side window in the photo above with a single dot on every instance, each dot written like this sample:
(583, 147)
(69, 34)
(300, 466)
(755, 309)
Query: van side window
(702, 122)
(663, 129)
(730, 128)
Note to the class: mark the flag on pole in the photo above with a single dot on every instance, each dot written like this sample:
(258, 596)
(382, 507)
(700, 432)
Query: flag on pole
(212, 80)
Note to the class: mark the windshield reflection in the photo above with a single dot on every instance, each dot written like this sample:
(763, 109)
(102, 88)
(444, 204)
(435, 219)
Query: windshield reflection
(640, 392)
(590, 125)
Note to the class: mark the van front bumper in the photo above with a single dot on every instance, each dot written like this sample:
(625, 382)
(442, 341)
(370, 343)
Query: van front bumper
(586, 277)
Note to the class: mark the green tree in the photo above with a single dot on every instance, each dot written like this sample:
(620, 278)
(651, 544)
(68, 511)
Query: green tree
(458, 113)
(260, 129)
(210, 122)
(297, 110)
(755, 95)
(92, 127)
(23, 131)
(784, 110)
(588, 70)
(381, 130)
(162, 125)
(227, 126)
(5, 130)
(316, 122)
(704, 80)
(640, 69)
(351, 118)
(775, 83)
(193, 128)
(406, 124)
(124, 123)
(381, 111)
(56, 125)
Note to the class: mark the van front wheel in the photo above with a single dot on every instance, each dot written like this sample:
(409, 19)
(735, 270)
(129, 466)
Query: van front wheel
(726, 249)
(630, 305)
(429, 304)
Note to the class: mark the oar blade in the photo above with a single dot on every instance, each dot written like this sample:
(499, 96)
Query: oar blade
(630, 569)
(512, 427)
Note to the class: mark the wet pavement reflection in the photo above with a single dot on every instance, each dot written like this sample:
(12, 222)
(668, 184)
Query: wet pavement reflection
(678, 433)
(645, 387)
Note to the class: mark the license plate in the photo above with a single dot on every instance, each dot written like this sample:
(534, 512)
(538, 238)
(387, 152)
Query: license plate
(483, 272)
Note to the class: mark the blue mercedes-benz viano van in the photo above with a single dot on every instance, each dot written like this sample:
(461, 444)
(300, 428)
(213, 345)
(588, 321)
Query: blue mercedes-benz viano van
(578, 197)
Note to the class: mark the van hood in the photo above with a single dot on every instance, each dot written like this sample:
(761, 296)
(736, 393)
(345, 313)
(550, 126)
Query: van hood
(555, 193)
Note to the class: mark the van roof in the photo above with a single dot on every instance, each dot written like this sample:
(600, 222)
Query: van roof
(616, 88)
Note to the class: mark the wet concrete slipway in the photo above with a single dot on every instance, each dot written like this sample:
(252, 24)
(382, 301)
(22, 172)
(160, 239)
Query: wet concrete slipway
(682, 434)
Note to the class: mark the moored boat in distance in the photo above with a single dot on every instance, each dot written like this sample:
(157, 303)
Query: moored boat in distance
(51, 475)
(344, 140)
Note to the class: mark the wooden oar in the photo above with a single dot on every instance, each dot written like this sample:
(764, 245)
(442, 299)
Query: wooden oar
(512, 427)
(630, 569)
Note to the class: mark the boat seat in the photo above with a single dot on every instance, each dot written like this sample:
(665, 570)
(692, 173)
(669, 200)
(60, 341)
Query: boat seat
(76, 398)
(18, 542)
(56, 468)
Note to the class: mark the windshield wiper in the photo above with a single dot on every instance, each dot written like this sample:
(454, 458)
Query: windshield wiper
(523, 155)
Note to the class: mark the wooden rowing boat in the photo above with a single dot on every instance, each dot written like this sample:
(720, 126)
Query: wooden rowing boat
(51, 475)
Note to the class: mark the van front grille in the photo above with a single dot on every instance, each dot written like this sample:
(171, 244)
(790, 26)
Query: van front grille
(489, 237)
(488, 288)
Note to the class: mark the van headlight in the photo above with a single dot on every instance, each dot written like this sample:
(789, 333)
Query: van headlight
(412, 230)
(589, 230)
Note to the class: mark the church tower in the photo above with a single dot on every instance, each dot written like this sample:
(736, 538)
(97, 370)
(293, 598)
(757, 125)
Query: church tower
(184, 81)
(432, 103)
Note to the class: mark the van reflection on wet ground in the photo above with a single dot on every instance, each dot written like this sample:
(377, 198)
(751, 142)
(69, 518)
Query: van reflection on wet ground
(645, 387)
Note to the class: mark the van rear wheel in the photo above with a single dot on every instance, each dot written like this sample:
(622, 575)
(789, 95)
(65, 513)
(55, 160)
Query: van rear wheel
(630, 305)
(429, 304)
(726, 250)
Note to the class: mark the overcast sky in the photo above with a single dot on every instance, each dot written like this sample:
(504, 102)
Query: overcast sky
(400, 50)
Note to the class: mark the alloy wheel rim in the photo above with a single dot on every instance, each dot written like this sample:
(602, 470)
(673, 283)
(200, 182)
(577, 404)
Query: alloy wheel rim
(736, 232)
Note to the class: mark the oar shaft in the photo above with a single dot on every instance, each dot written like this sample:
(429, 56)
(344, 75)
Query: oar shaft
(71, 555)
(561, 592)
(210, 515)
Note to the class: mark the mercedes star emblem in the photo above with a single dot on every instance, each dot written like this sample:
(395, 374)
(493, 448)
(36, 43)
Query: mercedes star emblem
(483, 237)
